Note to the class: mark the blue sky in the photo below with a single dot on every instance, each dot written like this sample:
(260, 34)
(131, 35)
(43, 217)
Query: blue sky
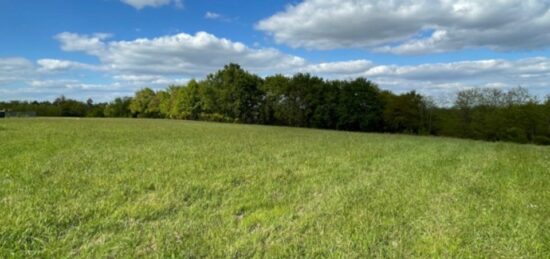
(102, 49)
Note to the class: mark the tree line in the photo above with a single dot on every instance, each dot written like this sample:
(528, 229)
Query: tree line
(235, 95)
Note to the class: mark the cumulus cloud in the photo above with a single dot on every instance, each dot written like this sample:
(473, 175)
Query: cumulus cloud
(126, 66)
(91, 44)
(140, 4)
(413, 26)
(532, 73)
(183, 54)
(432, 79)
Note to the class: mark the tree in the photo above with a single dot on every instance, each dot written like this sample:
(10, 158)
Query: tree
(139, 105)
(90, 102)
(195, 97)
(326, 111)
(293, 101)
(173, 107)
(235, 95)
(236, 92)
(361, 107)
(547, 115)
(404, 113)
(154, 108)
(273, 110)
(70, 108)
(120, 107)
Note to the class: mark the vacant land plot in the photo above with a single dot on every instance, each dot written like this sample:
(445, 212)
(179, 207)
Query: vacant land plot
(121, 187)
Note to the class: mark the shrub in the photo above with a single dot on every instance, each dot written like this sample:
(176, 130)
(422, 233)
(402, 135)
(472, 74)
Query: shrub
(542, 140)
(514, 134)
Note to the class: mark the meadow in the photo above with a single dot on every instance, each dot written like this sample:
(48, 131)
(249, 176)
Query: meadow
(167, 188)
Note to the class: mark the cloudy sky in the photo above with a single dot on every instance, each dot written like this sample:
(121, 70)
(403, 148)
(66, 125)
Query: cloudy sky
(103, 49)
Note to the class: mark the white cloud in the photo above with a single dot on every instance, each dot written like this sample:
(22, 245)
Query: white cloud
(532, 73)
(56, 65)
(212, 15)
(216, 16)
(155, 81)
(180, 54)
(343, 68)
(50, 89)
(140, 4)
(126, 66)
(14, 69)
(91, 44)
(440, 79)
(52, 84)
(413, 26)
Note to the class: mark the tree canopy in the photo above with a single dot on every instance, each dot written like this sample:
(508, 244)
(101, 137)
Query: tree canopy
(232, 94)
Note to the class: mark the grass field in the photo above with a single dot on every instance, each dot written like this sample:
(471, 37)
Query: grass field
(161, 188)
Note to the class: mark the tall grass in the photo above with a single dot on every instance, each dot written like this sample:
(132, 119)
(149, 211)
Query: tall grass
(158, 188)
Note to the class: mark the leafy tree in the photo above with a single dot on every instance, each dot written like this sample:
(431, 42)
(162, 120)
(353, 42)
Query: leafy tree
(273, 110)
(70, 108)
(326, 111)
(139, 106)
(171, 103)
(158, 106)
(235, 95)
(294, 101)
(166, 102)
(404, 113)
(361, 107)
(120, 107)
(236, 92)
(193, 99)
(307, 92)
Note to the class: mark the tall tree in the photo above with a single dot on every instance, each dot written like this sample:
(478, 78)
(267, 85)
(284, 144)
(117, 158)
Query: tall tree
(361, 107)
(140, 103)
(120, 107)
(403, 113)
(275, 88)
(237, 93)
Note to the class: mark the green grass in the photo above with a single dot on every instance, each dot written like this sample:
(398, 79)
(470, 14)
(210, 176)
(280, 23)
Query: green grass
(161, 188)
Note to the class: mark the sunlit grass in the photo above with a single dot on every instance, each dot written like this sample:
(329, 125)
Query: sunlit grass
(160, 188)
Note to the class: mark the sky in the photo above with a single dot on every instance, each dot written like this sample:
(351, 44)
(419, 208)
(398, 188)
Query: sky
(103, 49)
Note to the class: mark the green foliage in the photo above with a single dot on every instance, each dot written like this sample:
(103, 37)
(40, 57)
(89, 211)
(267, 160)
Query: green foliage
(70, 108)
(95, 188)
(361, 106)
(405, 113)
(542, 140)
(194, 100)
(41, 108)
(234, 95)
(276, 108)
(173, 106)
(120, 107)
(326, 113)
(145, 104)
(496, 115)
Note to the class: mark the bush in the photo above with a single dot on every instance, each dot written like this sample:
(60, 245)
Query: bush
(515, 135)
(542, 140)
